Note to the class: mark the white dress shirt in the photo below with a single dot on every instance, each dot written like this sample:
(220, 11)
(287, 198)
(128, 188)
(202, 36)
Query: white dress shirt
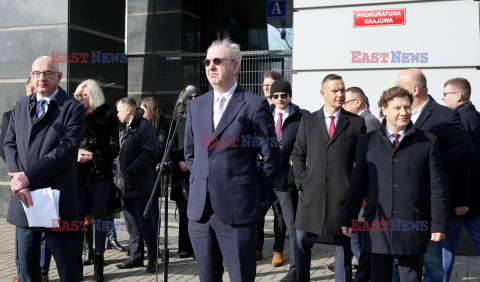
(328, 120)
(416, 113)
(216, 101)
(285, 114)
(391, 138)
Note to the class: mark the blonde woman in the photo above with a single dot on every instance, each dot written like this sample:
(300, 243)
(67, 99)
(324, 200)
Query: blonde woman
(99, 147)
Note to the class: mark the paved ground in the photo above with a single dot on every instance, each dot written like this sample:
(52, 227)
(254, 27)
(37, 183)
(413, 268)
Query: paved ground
(466, 267)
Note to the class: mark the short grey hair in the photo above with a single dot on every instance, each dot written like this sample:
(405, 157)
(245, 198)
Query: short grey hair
(236, 53)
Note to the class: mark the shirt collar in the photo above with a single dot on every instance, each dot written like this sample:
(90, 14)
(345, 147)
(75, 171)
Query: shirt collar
(389, 132)
(284, 112)
(49, 98)
(362, 111)
(227, 94)
(419, 110)
(327, 115)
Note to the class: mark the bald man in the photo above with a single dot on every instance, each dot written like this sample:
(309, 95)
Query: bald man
(41, 145)
(455, 146)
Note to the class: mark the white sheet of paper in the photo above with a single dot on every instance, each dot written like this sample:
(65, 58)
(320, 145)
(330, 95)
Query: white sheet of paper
(45, 209)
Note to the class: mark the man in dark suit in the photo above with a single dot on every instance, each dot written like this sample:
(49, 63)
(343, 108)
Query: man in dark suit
(271, 200)
(287, 117)
(356, 103)
(41, 146)
(405, 203)
(456, 95)
(226, 130)
(455, 147)
(323, 158)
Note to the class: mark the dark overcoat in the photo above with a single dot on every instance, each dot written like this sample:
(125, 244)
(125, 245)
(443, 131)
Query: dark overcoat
(46, 149)
(471, 121)
(323, 168)
(285, 180)
(405, 192)
(455, 147)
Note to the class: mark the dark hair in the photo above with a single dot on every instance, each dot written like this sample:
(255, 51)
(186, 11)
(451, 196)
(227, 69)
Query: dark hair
(392, 93)
(462, 85)
(275, 75)
(329, 77)
(129, 102)
(156, 112)
(357, 90)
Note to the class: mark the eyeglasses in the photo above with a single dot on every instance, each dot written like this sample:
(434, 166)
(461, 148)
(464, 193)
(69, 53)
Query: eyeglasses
(445, 94)
(191, 97)
(216, 61)
(275, 96)
(45, 73)
(83, 96)
(267, 85)
(346, 102)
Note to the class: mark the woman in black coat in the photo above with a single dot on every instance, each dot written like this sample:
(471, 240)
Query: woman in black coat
(154, 112)
(180, 182)
(97, 151)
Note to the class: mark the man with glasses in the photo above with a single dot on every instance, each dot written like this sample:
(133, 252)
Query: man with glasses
(323, 158)
(269, 78)
(271, 200)
(455, 146)
(456, 95)
(41, 147)
(227, 181)
(287, 117)
(356, 102)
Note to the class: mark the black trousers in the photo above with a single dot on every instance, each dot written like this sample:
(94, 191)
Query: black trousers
(139, 229)
(184, 244)
(410, 268)
(279, 227)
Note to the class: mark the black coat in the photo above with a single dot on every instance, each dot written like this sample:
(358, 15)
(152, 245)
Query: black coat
(455, 147)
(471, 121)
(285, 180)
(101, 138)
(400, 185)
(46, 149)
(134, 175)
(178, 175)
(323, 168)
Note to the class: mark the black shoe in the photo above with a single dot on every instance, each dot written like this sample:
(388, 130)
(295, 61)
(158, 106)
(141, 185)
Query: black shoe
(113, 244)
(88, 242)
(80, 265)
(185, 254)
(151, 267)
(290, 277)
(98, 261)
(131, 263)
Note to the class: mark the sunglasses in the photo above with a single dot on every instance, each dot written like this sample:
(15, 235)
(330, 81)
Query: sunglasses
(83, 96)
(275, 96)
(216, 61)
(191, 97)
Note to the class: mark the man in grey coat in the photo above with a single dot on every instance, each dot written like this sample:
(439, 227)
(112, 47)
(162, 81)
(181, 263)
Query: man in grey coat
(356, 102)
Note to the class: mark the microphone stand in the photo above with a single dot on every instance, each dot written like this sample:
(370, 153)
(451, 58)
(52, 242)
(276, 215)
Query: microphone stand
(161, 169)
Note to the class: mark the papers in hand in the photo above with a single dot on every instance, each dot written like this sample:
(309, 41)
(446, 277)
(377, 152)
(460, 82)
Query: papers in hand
(45, 211)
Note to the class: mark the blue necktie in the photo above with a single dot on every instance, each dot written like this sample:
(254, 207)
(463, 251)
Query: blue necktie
(42, 108)
(127, 128)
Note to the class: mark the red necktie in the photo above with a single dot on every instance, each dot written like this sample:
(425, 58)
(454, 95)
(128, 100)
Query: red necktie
(331, 129)
(278, 127)
(395, 140)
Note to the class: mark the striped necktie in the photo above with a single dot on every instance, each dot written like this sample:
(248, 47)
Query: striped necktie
(42, 109)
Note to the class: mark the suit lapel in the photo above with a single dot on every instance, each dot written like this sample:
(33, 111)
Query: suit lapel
(323, 127)
(427, 111)
(341, 124)
(206, 107)
(234, 105)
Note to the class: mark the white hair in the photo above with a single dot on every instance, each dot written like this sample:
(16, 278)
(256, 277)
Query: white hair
(235, 52)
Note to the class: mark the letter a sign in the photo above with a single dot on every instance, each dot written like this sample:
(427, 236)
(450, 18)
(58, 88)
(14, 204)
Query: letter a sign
(276, 10)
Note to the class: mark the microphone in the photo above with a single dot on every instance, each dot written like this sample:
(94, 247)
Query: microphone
(189, 91)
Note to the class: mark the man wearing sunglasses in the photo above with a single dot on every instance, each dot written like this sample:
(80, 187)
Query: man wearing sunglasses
(287, 118)
(323, 158)
(41, 147)
(227, 181)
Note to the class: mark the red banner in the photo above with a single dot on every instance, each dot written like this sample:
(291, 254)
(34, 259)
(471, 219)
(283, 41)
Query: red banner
(379, 17)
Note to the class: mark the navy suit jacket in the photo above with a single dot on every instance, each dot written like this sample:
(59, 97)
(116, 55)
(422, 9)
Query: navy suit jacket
(455, 147)
(46, 150)
(226, 159)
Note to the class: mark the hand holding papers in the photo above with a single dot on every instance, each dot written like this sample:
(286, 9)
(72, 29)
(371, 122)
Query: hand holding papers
(45, 209)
